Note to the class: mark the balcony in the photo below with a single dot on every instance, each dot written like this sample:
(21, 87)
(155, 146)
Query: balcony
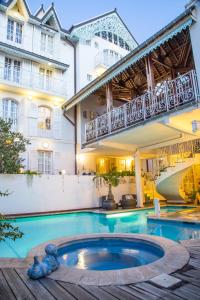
(167, 97)
(34, 81)
(106, 59)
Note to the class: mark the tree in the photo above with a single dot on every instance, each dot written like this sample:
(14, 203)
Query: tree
(7, 230)
(12, 145)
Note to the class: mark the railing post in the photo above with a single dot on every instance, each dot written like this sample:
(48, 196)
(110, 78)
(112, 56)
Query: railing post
(195, 86)
(143, 106)
(166, 96)
(86, 132)
(109, 121)
(96, 127)
(125, 115)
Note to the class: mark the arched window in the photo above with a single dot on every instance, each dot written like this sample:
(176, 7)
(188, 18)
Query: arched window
(10, 112)
(44, 118)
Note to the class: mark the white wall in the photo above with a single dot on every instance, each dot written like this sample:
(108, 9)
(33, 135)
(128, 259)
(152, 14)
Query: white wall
(60, 140)
(86, 58)
(53, 193)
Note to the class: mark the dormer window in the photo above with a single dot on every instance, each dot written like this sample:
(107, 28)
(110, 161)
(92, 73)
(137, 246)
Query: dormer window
(14, 31)
(46, 43)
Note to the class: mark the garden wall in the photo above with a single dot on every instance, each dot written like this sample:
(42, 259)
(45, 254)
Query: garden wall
(30, 194)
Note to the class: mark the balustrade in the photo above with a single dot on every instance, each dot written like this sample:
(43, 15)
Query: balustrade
(167, 96)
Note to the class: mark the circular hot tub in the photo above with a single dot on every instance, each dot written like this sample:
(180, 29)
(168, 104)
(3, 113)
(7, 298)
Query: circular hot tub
(109, 253)
(114, 259)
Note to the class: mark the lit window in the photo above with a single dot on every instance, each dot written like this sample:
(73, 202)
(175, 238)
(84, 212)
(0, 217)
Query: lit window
(12, 70)
(14, 31)
(44, 118)
(10, 112)
(46, 43)
(89, 77)
(45, 162)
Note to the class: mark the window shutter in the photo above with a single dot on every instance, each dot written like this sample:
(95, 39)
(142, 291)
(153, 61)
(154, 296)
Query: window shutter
(57, 162)
(33, 119)
(57, 119)
(33, 160)
(33, 110)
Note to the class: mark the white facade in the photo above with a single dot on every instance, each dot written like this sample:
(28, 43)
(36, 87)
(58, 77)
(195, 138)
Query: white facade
(40, 64)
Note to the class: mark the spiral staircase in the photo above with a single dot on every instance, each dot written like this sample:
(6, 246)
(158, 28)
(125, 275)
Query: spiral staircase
(169, 182)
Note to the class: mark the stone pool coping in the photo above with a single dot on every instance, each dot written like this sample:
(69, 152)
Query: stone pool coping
(175, 258)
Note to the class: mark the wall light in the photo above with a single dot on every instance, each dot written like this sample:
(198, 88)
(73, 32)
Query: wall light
(45, 145)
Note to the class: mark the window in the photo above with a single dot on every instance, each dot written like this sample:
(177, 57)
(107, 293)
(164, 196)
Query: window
(46, 43)
(10, 112)
(104, 35)
(14, 31)
(96, 45)
(110, 57)
(127, 47)
(88, 42)
(89, 77)
(110, 37)
(115, 39)
(45, 162)
(45, 79)
(121, 42)
(44, 118)
(12, 70)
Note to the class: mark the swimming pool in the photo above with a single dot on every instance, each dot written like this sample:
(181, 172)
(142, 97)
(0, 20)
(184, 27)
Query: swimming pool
(43, 228)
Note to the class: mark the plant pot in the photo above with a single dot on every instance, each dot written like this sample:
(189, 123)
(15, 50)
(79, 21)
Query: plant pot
(109, 204)
(128, 201)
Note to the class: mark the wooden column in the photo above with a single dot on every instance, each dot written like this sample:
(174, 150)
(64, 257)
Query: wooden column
(149, 72)
(109, 96)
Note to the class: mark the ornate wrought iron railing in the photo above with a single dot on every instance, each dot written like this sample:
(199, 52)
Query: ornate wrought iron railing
(167, 96)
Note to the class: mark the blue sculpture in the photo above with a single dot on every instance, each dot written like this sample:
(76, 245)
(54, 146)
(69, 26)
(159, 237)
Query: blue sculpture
(38, 269)
(51, 257)
(49, 263)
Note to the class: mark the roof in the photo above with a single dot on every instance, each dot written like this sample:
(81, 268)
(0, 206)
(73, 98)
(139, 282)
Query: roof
(102, 16)
(126, 61)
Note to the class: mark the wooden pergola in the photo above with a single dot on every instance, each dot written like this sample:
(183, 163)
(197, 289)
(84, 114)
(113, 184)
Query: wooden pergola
(172, 58)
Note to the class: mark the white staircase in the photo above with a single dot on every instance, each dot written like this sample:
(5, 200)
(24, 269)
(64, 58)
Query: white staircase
(168, 183)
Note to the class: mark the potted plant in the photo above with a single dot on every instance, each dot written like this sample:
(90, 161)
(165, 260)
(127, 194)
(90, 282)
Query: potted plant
(112, 179)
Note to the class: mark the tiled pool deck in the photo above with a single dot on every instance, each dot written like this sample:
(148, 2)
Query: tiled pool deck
(190, 215)
(14, 284)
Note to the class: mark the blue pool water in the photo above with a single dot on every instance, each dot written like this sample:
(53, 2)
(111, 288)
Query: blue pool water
(43, 228)
(108, 254)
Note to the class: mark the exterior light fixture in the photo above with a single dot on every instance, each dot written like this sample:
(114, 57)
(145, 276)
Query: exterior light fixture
(195, 125)
(45, 145)
(63, 172)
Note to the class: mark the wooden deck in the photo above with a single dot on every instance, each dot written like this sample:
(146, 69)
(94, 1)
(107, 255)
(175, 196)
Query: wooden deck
(14, 284)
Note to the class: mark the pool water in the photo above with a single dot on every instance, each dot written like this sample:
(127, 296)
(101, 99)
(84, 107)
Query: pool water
(108, 254)
(40, 229)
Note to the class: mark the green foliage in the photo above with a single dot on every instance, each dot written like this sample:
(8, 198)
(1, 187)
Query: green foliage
(12, 144)
(113, 176)
(7, 230)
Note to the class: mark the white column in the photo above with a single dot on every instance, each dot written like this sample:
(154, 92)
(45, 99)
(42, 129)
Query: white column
(138, 180)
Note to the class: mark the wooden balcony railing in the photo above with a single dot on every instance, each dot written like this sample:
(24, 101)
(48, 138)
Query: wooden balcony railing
(167, 96)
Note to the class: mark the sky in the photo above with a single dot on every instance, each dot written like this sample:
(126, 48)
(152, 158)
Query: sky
(143, 17)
